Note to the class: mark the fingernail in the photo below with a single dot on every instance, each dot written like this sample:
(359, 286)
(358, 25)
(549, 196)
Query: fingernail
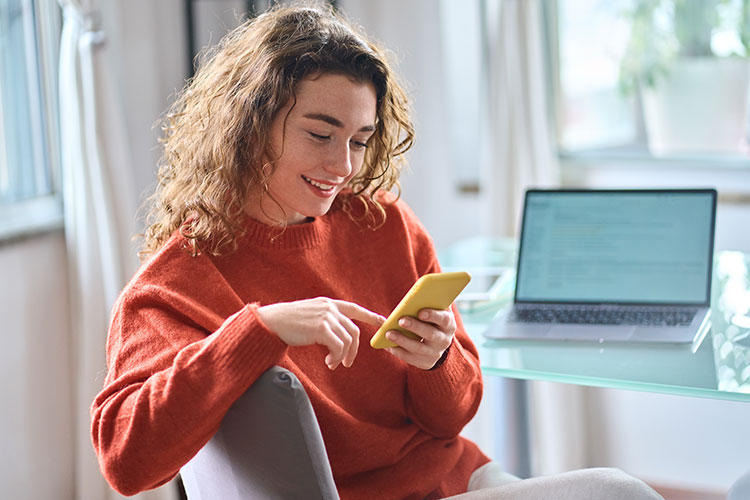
(424, 315)
(404, 322)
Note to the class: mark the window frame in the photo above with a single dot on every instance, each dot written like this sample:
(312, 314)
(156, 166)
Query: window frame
(43, 212)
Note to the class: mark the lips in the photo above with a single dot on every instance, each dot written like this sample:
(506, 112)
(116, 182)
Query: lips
(320, 185)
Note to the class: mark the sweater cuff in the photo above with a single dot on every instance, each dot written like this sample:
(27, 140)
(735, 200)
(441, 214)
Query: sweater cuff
(440, 361)
(457, 370)
(245, 347)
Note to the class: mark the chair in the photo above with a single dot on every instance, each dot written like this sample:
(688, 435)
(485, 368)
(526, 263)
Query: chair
(740, 489)
(269, 445)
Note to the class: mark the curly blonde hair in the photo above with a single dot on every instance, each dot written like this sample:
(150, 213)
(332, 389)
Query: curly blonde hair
(216, 134)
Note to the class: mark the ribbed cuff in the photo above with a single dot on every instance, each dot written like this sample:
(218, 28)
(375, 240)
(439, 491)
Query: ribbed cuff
(457, 370)
(440, 361)
(245, 347)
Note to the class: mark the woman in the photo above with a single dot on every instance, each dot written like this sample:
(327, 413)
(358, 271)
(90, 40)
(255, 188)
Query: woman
(273, 241)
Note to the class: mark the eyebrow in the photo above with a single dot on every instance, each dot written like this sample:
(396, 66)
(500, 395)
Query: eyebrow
(335, 121)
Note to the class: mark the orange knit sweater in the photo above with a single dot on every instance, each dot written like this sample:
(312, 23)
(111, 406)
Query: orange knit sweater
(185, 342)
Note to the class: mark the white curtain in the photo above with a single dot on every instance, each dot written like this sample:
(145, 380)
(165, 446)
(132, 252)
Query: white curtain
(520, 143)
(521, 155)
(100, 207)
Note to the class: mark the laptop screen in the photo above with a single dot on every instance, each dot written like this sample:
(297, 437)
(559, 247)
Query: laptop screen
(617, 246)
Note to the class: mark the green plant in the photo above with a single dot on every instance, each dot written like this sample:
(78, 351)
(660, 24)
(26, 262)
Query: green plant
(694, 23)
(745, 26)
(662, 30)
(644, 57)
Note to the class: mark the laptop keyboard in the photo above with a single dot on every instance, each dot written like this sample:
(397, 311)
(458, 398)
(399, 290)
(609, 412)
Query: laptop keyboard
(668, 316)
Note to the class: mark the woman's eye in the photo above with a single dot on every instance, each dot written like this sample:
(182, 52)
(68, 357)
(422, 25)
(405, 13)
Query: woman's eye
(359, 144)
(319, 136)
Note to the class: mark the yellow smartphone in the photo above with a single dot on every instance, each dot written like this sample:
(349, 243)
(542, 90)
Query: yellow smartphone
(431, 291)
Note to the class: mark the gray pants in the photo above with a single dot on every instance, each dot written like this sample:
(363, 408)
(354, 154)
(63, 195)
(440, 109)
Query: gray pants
(490, 482)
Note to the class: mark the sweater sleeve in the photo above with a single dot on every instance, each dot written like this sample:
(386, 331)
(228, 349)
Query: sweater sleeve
(444, 400)
(175, 365)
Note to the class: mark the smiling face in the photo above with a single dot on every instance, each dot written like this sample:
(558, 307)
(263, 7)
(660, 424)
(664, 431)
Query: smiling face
(321, 139)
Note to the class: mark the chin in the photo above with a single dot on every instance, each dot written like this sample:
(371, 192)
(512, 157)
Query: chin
(313, 212)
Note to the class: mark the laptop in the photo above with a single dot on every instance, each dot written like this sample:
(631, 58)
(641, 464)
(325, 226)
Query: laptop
(612, 265)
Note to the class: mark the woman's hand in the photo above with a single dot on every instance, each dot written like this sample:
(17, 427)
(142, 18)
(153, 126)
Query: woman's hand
(323, 321)
(435, 330)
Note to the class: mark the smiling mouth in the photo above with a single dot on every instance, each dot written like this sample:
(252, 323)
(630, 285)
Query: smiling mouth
(319, 185)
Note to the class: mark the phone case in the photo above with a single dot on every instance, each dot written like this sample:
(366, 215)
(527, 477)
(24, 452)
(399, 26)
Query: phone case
(431, 291)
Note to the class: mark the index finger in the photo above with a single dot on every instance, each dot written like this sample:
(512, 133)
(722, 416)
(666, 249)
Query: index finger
(355, 311)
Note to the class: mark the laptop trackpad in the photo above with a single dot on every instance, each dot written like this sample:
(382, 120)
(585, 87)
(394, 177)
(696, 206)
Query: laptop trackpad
(590, 332)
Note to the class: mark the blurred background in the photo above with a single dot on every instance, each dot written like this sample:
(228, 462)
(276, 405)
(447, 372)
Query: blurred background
(507, 94)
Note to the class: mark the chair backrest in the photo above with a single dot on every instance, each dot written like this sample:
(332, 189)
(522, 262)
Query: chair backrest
(740, 489)
(268, 446)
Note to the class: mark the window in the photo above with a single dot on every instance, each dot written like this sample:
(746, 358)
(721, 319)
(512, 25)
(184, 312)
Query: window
(29, 142)
(652, 79)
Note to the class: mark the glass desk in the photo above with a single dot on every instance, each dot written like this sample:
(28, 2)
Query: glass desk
(718, 367)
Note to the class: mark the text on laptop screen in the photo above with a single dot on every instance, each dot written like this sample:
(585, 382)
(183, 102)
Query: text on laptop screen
(621, 247)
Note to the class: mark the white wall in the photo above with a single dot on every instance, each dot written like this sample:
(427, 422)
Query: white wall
(670, 440)
(410, 31)
(35, 368)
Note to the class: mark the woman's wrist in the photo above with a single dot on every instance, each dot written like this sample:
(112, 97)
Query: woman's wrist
(442, 359)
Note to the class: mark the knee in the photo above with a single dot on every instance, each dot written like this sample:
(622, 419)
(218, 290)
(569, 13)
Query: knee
(618, 484)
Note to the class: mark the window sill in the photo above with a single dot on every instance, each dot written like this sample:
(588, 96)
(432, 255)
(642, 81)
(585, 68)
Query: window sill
(730, 175)
(632, 156)
(30, 217)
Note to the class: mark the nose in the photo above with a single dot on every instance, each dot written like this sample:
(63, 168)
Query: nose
(340, 161)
